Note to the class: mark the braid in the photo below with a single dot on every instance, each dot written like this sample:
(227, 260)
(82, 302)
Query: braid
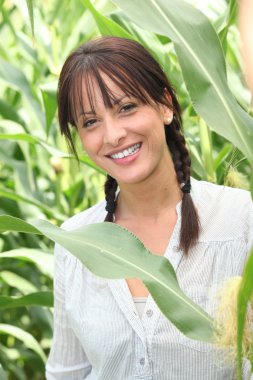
(110, 197)
(190, 225)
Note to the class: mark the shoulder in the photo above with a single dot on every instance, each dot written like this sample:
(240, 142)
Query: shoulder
(223, 210)
(94, 214)
(211, 195)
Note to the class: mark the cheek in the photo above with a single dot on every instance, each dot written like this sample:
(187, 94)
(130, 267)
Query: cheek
(89, 142)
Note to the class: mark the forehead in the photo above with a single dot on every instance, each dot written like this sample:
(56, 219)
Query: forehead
(105, 93)
(91, 93)
(94, 88)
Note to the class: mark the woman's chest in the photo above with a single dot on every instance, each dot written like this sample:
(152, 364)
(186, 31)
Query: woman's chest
(156, 240)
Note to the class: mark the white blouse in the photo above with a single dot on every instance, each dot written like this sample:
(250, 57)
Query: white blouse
(98, 334)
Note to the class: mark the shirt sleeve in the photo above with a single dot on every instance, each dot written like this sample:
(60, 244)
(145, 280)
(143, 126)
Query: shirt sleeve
(67, 360)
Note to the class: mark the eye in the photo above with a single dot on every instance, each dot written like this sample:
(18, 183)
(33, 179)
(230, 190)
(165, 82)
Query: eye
(89, 123)
(128, 107)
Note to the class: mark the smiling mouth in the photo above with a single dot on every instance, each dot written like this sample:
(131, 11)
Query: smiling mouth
(127, 152)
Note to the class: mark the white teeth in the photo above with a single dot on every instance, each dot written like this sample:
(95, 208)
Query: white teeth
(127, 152)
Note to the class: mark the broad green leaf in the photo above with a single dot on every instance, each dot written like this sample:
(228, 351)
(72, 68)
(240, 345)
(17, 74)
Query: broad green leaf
(202, 61)
(244, 296)
(105, 25)
(25, 337)
(50, 103)
(106, 257)
(43, 260)
(10, 223)
(32, 299)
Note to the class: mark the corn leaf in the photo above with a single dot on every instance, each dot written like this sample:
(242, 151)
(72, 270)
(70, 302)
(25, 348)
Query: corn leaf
(32, 299)
(202, 62)
(101, 248)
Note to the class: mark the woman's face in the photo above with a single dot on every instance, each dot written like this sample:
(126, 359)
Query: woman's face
(127, 140)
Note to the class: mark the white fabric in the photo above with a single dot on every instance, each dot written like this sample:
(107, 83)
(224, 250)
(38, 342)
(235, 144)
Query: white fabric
(140, 303)
(98, 334)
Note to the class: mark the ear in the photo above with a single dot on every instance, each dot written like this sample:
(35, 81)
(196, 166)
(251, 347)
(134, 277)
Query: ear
(168, 112)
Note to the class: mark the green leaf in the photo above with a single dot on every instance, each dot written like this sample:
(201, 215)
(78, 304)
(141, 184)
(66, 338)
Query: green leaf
(43, 260)
(25, 337)
(106, 257)
(10, 223)
(87, 161)
(50, 149)
(202, 62)
(32, 299)
(20, 198)
(9, 112)
(244, 296)
(222, 155)
(207, 151)
(150, 40)
(227, 18)
(50, 103)
(18, 282)
(30, 11)
(105, 25)
(16, 79)
(3, 375)
(19, 137)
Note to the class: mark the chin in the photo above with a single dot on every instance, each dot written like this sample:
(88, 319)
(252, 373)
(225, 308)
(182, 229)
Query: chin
(134, 180)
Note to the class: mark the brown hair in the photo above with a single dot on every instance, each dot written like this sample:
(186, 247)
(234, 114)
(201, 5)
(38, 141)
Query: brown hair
(130, 66)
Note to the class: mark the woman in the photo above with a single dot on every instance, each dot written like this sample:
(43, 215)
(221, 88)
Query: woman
(128, 119)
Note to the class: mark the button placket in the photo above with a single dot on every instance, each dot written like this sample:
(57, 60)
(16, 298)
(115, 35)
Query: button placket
(142, 361)
(149, 313)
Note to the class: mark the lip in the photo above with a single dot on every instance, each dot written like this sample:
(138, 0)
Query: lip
(122, 148)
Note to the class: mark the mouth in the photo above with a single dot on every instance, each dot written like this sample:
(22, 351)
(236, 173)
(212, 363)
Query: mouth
(130, 151)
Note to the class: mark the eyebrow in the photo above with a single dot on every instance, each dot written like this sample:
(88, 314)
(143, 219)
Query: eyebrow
(114, 102)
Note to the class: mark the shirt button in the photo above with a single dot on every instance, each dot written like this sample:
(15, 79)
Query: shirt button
(142, 361)
(149, 313)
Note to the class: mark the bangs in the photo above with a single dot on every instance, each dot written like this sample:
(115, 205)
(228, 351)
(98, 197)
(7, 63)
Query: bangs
(87, 78)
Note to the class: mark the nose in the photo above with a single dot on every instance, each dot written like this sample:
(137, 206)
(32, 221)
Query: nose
(114, 131)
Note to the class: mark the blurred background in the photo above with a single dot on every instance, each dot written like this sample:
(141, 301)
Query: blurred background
(40, 178)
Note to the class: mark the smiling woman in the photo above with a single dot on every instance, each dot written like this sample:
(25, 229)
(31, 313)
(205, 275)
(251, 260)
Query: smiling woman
(129, 121)
(116, 95)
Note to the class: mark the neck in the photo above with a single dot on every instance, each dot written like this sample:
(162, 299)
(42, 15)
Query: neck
(149, 198)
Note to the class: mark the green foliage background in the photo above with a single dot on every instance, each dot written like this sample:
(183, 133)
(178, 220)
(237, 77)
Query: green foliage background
(39, 178)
